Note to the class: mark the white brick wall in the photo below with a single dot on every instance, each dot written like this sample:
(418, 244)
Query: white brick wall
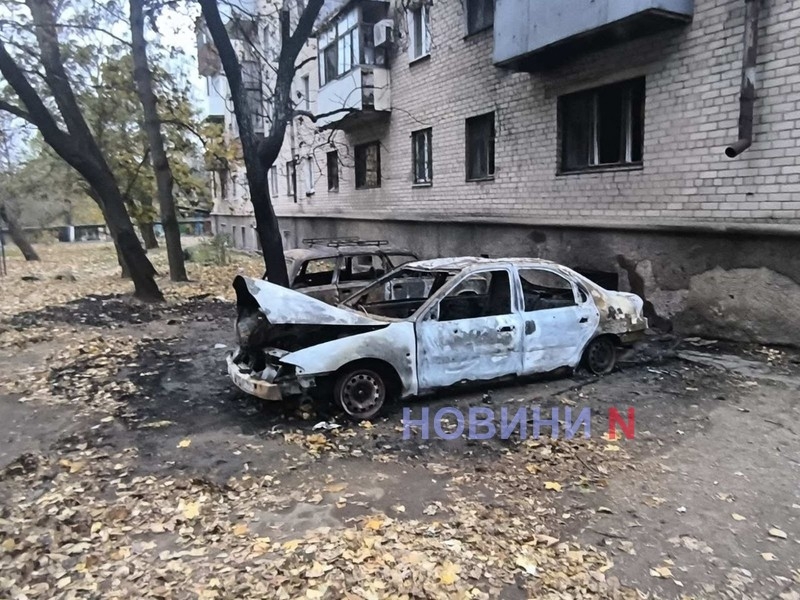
(691, 110)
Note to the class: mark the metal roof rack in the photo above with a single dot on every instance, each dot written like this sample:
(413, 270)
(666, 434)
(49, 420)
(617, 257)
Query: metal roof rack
(339, 242)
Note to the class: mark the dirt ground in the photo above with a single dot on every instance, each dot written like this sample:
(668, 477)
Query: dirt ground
(131, 467)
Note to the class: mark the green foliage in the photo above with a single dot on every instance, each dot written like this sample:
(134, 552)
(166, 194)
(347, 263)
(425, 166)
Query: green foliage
(213, 251)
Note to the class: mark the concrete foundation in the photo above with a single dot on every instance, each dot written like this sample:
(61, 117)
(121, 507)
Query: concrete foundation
(739, 286)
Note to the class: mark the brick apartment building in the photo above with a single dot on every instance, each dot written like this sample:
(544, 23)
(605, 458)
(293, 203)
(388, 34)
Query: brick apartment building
(589, 132)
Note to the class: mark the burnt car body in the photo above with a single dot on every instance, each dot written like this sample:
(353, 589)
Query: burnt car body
(428, 325)
(331, 269)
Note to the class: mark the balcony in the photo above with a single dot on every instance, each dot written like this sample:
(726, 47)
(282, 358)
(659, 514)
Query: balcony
(361, 96)
(533, 34)
(353, 67)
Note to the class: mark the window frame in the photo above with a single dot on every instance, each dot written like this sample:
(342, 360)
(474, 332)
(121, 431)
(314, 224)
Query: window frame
(469, 134)
(419, 15)
(333, 182)
(291, 179)
(630, 89)
(273, 181)
(426, 135)
(361, 178)
(336, 41)
(484, 25)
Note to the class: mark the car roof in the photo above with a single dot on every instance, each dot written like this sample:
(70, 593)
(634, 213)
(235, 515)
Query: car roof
(459, 263)
(325, 251)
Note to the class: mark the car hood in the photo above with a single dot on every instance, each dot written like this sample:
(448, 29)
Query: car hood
(283, 306)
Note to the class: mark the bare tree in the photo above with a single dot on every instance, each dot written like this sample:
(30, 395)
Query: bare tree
(74, 142)
(143, 77)
(14, 229)
(260, 154)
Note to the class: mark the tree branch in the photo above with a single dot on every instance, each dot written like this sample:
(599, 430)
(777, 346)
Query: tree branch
(315, 117)
(15, 110)
(305, 62)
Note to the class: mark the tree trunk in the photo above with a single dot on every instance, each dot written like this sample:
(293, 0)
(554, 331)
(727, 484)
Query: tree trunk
(152, 124)
(17, 234)
(148, 235)
(268, 230)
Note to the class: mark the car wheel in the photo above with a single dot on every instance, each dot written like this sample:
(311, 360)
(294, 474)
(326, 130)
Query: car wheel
(361, 392)
(600, 355)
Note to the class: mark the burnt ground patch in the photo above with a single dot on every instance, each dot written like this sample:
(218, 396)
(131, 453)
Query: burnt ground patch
(116, 310)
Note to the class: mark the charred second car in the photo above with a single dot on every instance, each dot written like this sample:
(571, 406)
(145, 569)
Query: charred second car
(428, 325)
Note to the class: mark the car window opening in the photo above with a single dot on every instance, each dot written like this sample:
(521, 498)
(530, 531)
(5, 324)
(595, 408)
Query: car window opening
(401, 294)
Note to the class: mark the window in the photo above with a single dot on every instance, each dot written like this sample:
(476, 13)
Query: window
(315, 272)
(244, 237)
(421, 153)
(544, 289)
(304, 82)
(333, 171)
(339, 47)
(364, 267)
(480, 147)
(419, 36)
(368, 165)
(309, 161)
(273, 181)
(603, 127)
(291, 179)
(480, 15)
(480, 295)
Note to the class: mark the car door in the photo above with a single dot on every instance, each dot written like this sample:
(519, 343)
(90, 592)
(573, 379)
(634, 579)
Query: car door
(472, 333)
(559, 319)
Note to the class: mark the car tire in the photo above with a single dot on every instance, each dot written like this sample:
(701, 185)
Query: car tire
(360, 392)
(600, 355)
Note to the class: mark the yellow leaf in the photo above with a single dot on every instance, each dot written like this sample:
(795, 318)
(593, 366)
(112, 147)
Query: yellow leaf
(374, 524)
(775, 532)
(611, 448)
(662, 572)
(8, 545)
(291, 545)
(184, 443)
(334, 488)
(552, 485)
(191, 510)
(449, 573)
(526, 564)
(240, 529)
(738, 517)
(316, 570)
(531, 468)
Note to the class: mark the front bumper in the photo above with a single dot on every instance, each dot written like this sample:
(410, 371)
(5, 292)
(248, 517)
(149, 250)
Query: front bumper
(252, 385)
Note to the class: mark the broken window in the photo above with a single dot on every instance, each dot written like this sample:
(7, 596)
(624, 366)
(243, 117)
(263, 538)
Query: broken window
(316, 272)
(291, 178)
(544, 289)
(480, 15)
(602, 127)
(480, 295)
(401, 293)
(333, 171)
(364, 267)
(480, 147)
(368, 165)
(422, 157)
(419, 37)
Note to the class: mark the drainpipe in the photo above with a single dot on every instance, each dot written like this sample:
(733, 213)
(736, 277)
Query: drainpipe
(747, 95)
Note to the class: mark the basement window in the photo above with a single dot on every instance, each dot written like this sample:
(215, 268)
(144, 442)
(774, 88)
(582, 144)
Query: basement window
(291, 179)
(602, 127)
(368, 165)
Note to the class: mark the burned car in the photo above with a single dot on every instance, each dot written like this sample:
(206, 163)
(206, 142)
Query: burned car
(428, 325)
(331, 269)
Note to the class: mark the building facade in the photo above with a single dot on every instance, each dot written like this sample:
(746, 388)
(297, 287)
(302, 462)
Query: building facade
(589, 132)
